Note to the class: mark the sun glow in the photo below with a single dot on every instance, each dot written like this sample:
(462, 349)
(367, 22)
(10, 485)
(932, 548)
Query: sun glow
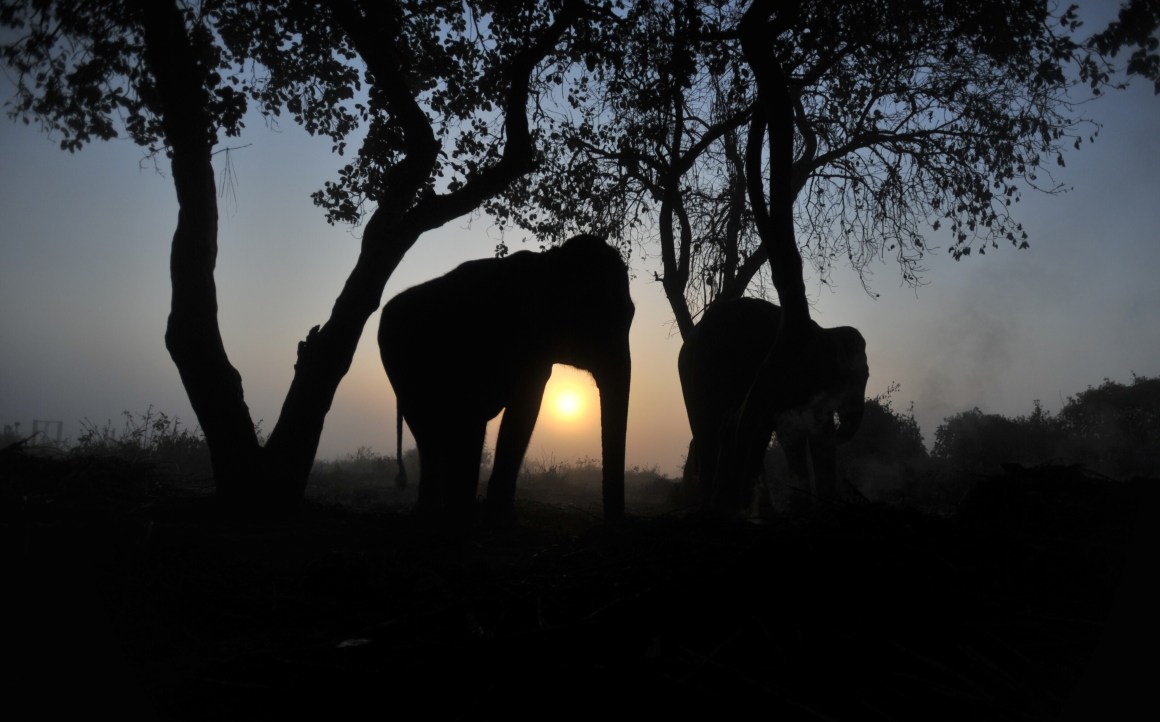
(571, 395)
(567, 403)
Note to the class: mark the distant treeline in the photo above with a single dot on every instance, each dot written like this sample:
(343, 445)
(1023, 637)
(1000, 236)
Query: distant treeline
(1112, 430)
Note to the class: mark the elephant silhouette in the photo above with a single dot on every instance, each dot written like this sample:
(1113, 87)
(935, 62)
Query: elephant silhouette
(718, 364)
(462, 347)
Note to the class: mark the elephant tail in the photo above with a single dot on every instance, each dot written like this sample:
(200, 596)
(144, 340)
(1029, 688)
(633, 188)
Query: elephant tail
(401, 477)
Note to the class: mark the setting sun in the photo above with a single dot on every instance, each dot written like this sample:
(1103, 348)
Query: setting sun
(567, 403)
(571, 395)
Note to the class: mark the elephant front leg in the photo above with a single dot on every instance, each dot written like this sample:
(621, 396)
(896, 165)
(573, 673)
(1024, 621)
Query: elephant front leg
(515, 433)
(449, 456)
(796, 446)
(823, 448)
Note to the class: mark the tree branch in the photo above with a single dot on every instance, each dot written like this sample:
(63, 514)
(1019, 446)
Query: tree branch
(373, 34)
(517, 157)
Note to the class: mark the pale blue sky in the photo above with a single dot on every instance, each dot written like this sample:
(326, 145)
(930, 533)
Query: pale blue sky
(84, 293)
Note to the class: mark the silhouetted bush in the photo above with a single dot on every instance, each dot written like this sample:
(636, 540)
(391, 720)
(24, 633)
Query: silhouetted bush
(887, 454)
(1115, 428)
(971, 442)
(883, 460)
(10, 435)
(151, 437)
(14, 439)
(1112, 429)
(364, 479)
(578, 483)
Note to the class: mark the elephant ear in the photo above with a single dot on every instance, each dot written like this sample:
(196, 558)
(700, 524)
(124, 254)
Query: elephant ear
(849, 348)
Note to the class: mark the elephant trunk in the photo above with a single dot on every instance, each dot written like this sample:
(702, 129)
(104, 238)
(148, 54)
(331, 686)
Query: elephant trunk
(613, 383)
(850, 412)
(853, 374)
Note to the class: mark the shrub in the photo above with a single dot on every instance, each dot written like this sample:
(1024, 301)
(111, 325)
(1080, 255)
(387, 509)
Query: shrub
(363, 479)
(1115, 428)
(10, 435)
(151, 437)
(887, 454)
(972, 442)
(884, 458)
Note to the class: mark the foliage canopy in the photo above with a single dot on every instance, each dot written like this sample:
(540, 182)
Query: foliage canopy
(908, 116)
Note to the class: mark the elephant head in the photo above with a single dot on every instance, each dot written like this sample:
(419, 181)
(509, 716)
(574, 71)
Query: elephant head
(594, 319)
(845, 350)
(733, 411)
(482, 339)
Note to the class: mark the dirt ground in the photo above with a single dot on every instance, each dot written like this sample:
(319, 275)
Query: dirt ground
(130, 593)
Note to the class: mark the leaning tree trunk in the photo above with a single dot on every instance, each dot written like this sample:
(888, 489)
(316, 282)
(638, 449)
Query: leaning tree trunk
(325, 357)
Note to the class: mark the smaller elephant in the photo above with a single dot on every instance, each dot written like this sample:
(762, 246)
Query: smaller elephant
(719, 363)
(482, 339)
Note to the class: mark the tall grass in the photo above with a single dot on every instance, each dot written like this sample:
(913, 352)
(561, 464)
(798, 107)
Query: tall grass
(366, 479)
(151, 437)
(363, 479)
(1113, 429)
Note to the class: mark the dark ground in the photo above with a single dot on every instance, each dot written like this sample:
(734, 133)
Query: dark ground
(132, 595)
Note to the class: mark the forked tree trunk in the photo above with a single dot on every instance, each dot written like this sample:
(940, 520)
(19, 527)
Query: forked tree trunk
(248, 476)
(251, 478)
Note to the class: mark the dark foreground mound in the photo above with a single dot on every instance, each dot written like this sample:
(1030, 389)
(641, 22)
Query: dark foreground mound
(134, 596)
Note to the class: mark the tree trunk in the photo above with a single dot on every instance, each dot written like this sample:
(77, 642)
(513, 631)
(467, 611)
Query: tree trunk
(772, 122)
(326, 355)
(674, 259)
(192, 335)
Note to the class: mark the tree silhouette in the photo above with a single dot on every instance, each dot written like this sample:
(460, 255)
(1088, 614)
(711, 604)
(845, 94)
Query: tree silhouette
(1115, 427)
(1134, 27)
(440, 89)
(893, 125)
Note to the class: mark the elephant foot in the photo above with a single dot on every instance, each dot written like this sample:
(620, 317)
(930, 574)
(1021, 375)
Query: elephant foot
(798, 502)
(450, 520)
(723, 511)
(499, 515)
(762, 506)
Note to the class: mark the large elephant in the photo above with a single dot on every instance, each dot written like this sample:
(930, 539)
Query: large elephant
(462, 347)
(718, 364)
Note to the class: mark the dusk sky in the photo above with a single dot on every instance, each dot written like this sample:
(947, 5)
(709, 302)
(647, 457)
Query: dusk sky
(84, 291)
